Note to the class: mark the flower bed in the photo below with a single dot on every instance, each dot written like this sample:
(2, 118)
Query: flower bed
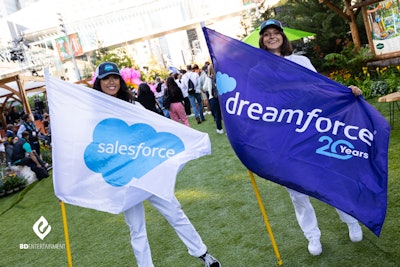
(10, 182)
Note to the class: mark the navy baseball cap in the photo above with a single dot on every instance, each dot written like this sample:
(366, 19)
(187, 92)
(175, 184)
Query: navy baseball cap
(271, 22)
(105, 69)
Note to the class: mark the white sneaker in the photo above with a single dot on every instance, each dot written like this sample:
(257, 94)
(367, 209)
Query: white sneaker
(220, 131)
(355, 232)
(209, 260)
(315, 247)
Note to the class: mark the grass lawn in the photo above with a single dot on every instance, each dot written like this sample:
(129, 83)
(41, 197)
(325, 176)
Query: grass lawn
(217, 195)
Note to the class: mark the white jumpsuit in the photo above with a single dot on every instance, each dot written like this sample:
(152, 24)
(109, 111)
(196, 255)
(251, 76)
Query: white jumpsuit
(304, 211)
(306, 217)
(173, 213)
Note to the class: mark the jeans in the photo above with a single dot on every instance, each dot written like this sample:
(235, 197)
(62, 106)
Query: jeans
(160, 102)
(187, 106)
(216, 112)
(197, 105)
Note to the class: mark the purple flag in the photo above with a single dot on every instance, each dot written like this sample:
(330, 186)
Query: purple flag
(302, 130)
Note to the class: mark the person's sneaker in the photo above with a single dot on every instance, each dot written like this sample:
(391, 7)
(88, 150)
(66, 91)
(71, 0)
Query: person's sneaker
(355, 232)
(209, 261)
(47, 166)
(315, 247)
(220, 131)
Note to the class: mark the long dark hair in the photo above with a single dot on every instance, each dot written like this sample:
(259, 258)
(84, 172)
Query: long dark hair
(124, 92)
(286, 47)
(144, 89)
(172, 88)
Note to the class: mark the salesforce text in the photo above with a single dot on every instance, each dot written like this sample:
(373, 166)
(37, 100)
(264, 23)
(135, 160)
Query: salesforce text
(135, 151)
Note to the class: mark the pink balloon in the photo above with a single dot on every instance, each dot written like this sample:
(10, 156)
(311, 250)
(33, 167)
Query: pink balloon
(129, 75)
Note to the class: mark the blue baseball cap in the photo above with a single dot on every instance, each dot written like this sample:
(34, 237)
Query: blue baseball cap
(271, 22)
(105, 69)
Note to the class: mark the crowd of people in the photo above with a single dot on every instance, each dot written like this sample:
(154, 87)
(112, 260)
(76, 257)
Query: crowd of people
(182, 94)
(22, 140)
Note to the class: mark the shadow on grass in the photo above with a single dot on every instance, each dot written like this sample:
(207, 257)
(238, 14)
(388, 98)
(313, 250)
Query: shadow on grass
(15, 199)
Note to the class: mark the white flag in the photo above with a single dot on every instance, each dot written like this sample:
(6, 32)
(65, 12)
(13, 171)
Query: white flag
(109, 154)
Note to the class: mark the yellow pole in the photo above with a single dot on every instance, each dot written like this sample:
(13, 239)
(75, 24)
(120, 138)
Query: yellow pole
(264, 214)
(67, 245)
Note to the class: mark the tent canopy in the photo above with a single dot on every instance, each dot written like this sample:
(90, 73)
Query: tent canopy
(292, 35)
(17, 88)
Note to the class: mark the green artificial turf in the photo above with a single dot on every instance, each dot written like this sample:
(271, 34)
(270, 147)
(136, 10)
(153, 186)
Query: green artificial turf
(217, 195)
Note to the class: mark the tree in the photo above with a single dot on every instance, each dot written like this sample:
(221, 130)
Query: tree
(119, 57)
(332, 32)
(350, 16)
(252, 18)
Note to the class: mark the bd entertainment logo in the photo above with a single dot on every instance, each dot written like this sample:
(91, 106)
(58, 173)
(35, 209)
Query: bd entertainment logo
(41, 227)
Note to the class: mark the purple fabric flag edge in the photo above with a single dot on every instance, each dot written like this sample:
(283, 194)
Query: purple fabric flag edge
(374, 226)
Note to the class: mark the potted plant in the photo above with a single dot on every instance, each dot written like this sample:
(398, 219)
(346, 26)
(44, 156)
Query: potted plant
(13, 182)
(20, 182)
(9, 184)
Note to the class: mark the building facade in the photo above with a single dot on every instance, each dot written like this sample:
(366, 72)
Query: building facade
(167, 32)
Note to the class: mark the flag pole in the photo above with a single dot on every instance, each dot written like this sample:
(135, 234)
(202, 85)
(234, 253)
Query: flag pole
(67, 245)
(264, 214)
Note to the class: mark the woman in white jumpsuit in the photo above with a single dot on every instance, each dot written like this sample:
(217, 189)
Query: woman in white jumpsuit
(109, 81)
(273, 39)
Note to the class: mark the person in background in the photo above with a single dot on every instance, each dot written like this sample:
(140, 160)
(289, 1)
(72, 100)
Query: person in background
(146, 97)
(3, 158)
(109, 81)
(194, 98)
(178, 80)
(47, 129)
(274, 40)
(29, 126)
(202, 72)
(10, 141)
(6, 113)
(210, 87)
(160, 91)
(14, 116)
(176, 109)
(205, 66)
(24, 155)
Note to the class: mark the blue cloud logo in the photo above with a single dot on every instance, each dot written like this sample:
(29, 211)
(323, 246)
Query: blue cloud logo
(225, 84)
(121, 152)
(108, 67)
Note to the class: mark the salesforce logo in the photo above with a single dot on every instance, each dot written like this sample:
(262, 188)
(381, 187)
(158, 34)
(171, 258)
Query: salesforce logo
(121, 152)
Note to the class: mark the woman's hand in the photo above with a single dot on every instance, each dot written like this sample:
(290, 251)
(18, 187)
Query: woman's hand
(356, 91)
